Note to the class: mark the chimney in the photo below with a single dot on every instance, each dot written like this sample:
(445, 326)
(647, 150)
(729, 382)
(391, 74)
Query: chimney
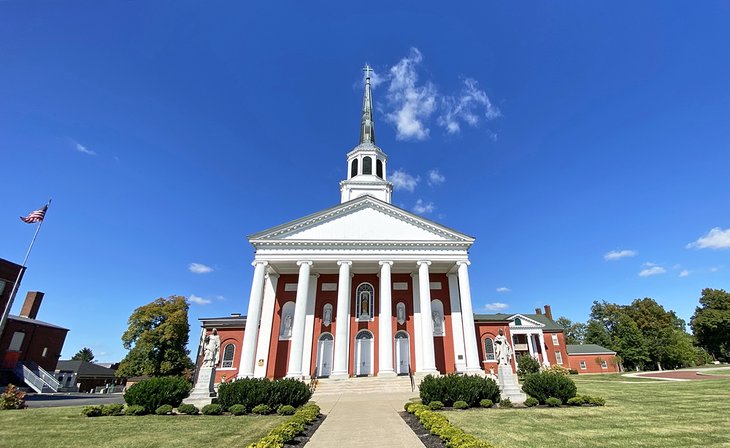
(31, 305)
(538, 311)
(548, 312)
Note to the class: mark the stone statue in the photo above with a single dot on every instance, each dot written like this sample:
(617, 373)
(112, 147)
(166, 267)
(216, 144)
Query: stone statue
(438, 328)
(327, 318)
(286, 332)
(401, 313)
(503, 349)
(211, 350)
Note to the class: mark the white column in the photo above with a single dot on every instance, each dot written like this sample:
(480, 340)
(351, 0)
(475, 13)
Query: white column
(467, 316)
(248, 351)
(424, 291)
(417, 344)
(457, 328)
(300, 311)
(543, 350)
(267, 322)
(309, 326)
(342, 323)
(385, 336)
(530, 345)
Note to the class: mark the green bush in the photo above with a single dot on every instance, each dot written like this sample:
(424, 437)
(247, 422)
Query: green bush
(112, 409)
(450, 388)
(527, 365)
(12, 398)
(286, 409)
(530, 402)
(412, 408)
(212, 409)
(165, 409)
(91, 411)
(553, 402)
(154, 392)
(287, 431)
(439, 425)
(544, 385)
(586, 400)
(135, 410)
(237, 409)
(188, 409)
(506, 403)
(250, 392)
(596, 401)
(435, 405)
(557, 368)
(572, 371)
(486, 403)
(261, 409)
(461, 405)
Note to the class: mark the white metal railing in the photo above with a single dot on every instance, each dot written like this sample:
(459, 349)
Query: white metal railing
(49, 379)
(30, 378)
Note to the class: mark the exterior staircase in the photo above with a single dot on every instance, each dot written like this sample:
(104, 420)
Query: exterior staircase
(364, 385)
(36, 377)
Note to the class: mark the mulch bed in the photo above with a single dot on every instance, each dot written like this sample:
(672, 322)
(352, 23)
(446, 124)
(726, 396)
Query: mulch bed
(302, 439)
(428, 439)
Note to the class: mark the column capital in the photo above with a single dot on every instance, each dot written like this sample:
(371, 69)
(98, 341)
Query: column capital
(301, 262)
(381, 263)
(422, 262)
(463, 263)
(259, 262)
(340, 263)
(271, 275)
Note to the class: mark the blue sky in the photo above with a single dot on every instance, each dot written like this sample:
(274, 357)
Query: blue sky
(167, 131)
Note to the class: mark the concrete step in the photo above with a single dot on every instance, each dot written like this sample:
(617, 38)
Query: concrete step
(363, 385)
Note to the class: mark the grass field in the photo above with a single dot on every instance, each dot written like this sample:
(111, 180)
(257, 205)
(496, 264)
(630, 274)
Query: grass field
(638, 413)
(66, 427)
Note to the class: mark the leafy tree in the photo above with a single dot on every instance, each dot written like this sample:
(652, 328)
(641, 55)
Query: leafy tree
(156, 339)
(630, 343)
(575, 332)
(711, 323)
(596, 333)
(85, 354)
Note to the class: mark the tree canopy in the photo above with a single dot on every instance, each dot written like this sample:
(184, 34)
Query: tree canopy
(85, 354)
(156, 339)
(711, 323)
(575, 332)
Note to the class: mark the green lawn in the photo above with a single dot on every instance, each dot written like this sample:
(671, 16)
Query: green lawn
(639, 413)
(66, 427)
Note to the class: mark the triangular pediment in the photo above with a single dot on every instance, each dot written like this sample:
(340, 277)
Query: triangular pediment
(362, 219)
(524, 321)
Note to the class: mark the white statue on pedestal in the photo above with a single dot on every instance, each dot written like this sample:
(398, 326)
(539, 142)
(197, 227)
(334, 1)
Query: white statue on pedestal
(503, 349)
(211, 350)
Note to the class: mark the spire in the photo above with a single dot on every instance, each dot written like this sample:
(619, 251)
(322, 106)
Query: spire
(367, 128)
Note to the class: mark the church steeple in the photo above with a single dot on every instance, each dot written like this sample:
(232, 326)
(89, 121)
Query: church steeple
(367, 127)
(366, 164)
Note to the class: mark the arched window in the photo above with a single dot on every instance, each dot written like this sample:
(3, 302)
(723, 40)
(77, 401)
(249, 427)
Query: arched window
(367, 165)
(228, 352)
(364, 297)
(353, 168)
(379, 168)
(287, 320)
(518, 321)
(437, 316)
(489, 349)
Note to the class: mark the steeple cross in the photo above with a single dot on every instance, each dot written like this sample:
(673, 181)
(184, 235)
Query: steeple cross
(367, 71)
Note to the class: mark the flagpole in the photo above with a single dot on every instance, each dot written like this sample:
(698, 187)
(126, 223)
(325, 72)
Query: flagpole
(16, 285)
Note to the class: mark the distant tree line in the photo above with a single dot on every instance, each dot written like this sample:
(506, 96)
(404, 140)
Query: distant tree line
(646, 336)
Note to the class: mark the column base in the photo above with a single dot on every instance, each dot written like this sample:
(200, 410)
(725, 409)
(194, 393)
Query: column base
(460, 368)
(339, 376)
(295, 375)
(387, 374)
(425, 371)
(245, 375)
(474, 370)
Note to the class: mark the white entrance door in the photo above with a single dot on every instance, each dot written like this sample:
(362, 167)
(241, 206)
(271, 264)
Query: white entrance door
(364, 353)
(402, 353)
(324, 355)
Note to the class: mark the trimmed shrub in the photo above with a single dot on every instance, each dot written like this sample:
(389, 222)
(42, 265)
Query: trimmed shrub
(250, 392)
(154, 392)
(530, 402)
(286, 409)
(506, 403)
(237, 409)
(576, 401)
(12, 398)
(188, 409)
(544, 385)
(486, 403)
(527, 365)
(261, 409)
(553, 402)
(557, 368)
(586, 400)
(450, 388)
(112, 409)
(287, 431)
(435, 405)
(165, 409)
(572, 371)
(439, 425)
(212, 409)
(595, 401)
(461, 405)
(135, 410)
(91, 411)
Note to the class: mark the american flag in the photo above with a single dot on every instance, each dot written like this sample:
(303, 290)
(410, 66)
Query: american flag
(35, 216)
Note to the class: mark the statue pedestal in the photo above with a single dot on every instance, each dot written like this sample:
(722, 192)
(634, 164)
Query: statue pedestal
(204, 390)
(508, 385)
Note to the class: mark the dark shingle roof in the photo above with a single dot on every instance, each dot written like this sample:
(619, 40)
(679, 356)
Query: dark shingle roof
(34, 321)
(587, 349)
(550, 325)
(85, 369)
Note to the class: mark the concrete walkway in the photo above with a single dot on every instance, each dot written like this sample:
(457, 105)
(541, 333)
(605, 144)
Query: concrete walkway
(364, 420)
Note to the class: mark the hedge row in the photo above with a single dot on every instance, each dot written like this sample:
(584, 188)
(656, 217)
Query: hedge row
(251, 392)
(548, 384)
(439, 425)
(451, 388)
(287, 431)
(155, 392)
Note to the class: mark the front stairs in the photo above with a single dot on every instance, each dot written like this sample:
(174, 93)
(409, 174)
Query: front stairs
(364, 385)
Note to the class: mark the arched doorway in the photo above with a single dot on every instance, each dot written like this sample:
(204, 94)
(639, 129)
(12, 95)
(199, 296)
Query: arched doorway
(324, 355)
(364, 353)
(402, 353)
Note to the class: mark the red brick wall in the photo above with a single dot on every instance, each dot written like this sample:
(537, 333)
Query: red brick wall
(279, 350)
(37, 337)
(593, 364)
(552, 348)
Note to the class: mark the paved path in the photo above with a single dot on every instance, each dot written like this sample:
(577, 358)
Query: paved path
(364, 420)
(71, 399)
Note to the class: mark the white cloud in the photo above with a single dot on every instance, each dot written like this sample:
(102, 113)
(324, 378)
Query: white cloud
(470, 106)
(651, 269)
(496, 306)
(423, 208)
(684, 273)
(403, 181)
(83, 149)
(503, 289)
(435, 178)
(198, 268)
(619, 254)
(413, 103)
(714, 269)
(199, 300)
(715, 239)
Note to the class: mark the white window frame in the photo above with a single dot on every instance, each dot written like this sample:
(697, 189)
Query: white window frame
(604, 364)
(559, 358)
(358, 302)
(583, 365)
(486, 354)
(16, 343)
(556, 342)
(223, 358)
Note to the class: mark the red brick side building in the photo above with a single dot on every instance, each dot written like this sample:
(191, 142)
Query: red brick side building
(592, 358)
